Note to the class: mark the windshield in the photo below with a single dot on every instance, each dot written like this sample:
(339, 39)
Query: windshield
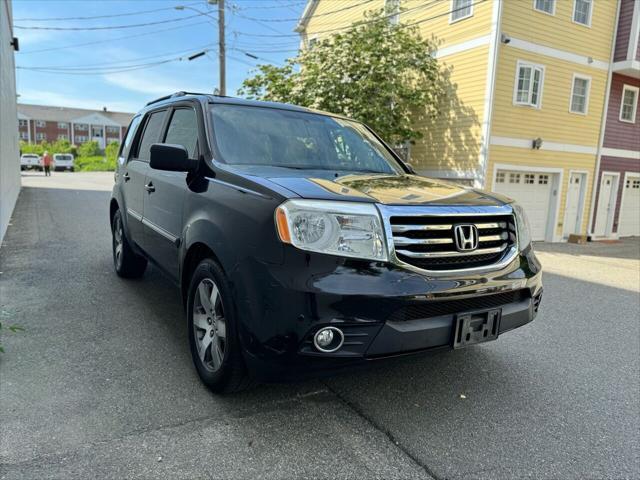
(63, 157)
(298, 140)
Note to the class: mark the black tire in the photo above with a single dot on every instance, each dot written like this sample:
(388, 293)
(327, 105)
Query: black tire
(125, 261)
(231, 374)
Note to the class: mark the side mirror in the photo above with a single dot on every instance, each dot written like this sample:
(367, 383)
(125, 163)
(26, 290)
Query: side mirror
(173, 158)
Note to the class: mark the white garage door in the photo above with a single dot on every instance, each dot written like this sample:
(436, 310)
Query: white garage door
(629, 220)
(532, 190)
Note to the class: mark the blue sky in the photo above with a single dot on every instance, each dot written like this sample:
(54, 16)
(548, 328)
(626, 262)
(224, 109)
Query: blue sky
(92, 75)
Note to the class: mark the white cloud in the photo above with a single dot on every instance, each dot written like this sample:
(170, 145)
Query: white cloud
(154, 85)
(43, 97)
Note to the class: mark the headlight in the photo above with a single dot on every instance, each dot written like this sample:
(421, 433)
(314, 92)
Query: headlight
(522, 224)
(336, 228)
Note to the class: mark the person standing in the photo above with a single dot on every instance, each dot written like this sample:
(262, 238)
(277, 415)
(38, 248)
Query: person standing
(47, 160)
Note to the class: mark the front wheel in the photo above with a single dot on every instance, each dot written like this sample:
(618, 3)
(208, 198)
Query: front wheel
(125, 260)
(213, 338)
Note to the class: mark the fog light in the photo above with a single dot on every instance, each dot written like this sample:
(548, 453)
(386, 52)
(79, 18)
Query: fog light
(328, 339)
(324, 338)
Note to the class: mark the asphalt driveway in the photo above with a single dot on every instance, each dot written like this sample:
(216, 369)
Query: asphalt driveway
(100, 384)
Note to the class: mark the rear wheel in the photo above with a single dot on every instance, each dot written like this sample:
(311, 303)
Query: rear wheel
(213, 337)
(125, 260)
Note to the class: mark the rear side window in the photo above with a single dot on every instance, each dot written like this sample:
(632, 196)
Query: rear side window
(151, 135)
(183, 130)
(131, 132)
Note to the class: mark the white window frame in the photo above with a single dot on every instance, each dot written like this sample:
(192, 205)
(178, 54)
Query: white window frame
(553, 13)
(63, 136)
(636, 91)
(587, 93)
(452, 20)
(573, 13)
(41, 136)
(41, 123)
(24, 136)
(63, 125)
(22, 123)
(534, 66)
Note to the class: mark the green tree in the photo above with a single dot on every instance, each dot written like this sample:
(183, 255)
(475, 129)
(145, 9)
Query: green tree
(376, 72)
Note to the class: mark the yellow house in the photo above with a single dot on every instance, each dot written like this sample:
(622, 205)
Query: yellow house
(527, 82)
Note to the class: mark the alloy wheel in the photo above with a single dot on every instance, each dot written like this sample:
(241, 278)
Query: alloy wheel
(118, 240)
(209, 325)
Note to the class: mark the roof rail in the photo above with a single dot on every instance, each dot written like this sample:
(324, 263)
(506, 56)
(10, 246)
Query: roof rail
(173, 95)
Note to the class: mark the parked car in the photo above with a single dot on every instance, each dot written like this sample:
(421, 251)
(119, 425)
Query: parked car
(303, 245)
(30, 160)
(63, 161)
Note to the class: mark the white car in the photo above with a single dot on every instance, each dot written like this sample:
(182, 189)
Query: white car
(30, 160)
(63, 161)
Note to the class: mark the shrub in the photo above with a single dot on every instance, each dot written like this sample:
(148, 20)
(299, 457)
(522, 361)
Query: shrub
(89, 149)
(95, 163)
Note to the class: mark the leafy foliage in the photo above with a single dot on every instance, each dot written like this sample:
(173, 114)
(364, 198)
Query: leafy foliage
(376, 72)
(89, 149)
(59, 146)
(95, 163)
(112, 151)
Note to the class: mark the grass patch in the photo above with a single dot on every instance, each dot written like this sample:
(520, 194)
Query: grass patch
(94, 164)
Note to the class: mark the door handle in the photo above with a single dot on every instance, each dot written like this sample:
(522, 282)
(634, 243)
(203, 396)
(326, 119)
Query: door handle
(149, 187)
(126, 176)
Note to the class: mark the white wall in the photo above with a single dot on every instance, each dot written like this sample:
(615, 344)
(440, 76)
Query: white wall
(9, 148)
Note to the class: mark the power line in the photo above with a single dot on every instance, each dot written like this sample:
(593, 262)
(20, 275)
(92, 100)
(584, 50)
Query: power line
(120, 63)
(113, 27)
(55, 19)
(348, 7)
(126, 37)
(270, 7)
(375, 20)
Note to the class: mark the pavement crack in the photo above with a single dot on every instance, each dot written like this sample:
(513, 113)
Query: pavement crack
(386, 432)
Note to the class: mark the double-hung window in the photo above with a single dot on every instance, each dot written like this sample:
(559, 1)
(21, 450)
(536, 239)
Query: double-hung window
(460, 9)
(529, 79)
(580, 94)
(545, 6)
(582, 12)
(629, 104)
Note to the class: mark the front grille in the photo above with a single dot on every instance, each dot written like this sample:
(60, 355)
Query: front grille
(435, 308)
(428, 242)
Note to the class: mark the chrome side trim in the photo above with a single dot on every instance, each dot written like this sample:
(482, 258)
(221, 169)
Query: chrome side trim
(453, 253)
(134, 214)
(159, 230)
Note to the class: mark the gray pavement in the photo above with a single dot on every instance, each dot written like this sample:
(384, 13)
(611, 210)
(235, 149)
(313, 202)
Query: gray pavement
(100, 385)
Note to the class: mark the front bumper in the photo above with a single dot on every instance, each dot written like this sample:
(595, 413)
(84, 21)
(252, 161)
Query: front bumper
(383, 309)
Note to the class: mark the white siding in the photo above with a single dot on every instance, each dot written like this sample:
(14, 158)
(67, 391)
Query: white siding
(9, 150)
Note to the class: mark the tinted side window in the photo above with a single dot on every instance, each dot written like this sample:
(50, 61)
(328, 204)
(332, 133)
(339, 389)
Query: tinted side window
(131, 132)
(183, 130)
(151, 135)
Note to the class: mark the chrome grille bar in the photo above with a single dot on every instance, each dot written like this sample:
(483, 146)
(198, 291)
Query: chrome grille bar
(479, 251)
(421, 241)
(406, 228)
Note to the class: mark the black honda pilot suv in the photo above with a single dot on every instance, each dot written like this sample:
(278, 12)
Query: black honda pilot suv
(302, 244)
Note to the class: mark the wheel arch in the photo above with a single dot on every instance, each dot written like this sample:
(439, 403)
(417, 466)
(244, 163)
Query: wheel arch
(113, 207)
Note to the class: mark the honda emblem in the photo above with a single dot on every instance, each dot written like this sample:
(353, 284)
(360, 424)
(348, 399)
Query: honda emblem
(466, 237)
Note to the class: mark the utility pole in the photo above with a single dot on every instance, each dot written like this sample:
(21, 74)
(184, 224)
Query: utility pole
(221, 43)
(221, 48)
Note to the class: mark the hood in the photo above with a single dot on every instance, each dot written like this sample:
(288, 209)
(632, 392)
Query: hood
(384, 189)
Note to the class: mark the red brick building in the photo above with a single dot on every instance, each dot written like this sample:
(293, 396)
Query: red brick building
(617, 195)
(37, 123)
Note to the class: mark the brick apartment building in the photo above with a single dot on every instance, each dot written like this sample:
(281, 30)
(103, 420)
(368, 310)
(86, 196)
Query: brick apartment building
(37, 123)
